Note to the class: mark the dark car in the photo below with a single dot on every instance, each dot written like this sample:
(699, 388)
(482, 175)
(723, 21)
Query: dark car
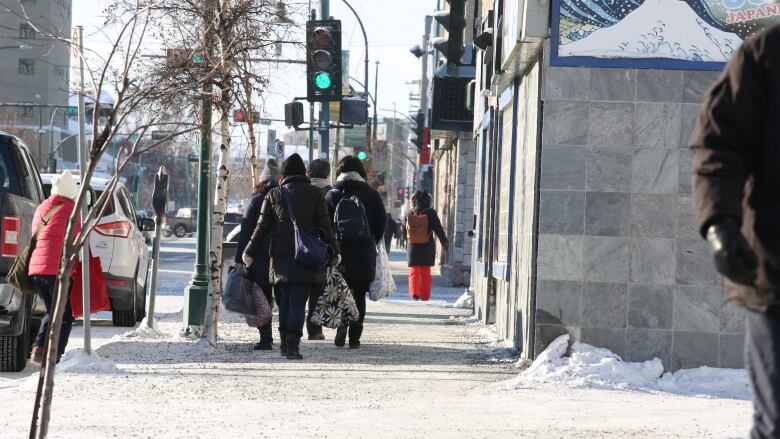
(21, 191)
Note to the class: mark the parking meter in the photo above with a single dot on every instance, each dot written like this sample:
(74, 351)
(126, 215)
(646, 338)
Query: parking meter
(160, 205)
(160, 194)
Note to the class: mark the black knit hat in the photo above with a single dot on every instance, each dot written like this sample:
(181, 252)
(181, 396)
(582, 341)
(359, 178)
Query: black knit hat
(293, 165)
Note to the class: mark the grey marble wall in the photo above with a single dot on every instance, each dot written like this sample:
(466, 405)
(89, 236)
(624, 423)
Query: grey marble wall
(620, 263)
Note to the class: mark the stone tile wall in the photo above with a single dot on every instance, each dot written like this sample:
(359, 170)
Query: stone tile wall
(620, 262)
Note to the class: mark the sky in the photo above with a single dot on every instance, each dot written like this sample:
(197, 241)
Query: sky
(392, 29)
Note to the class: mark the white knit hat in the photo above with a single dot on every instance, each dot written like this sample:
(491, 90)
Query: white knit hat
(64, 185)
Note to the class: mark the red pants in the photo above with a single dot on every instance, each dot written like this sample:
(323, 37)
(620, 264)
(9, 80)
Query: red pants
(420, 282)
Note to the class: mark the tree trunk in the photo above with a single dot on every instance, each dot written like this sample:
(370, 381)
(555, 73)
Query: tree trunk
(251, 126)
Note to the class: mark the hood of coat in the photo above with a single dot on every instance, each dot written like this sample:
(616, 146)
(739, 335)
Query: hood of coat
(296, 179)
(351, 184)
(65, 186)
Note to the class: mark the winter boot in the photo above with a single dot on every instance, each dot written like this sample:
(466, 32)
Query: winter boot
(36, 356)
(315, 332)
(263, 346)
(355, 331)
(341, 336)
(283, 342)
(293, 343)
(266, 339)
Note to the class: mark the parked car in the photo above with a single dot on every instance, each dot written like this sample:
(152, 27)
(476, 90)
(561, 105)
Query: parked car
(21, 192)
(183, 223)
(147, 234)
(119, 243)
(232, 220)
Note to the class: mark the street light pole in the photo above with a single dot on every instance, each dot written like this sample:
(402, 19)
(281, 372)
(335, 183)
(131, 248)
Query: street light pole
(365, 64)
(324, 125)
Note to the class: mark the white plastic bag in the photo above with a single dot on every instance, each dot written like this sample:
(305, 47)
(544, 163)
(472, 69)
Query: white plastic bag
(383, 284)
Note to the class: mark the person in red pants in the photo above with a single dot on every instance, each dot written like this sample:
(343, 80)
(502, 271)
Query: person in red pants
(421, 223)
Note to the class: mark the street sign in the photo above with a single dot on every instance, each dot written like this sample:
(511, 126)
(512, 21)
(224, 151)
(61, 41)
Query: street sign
(74, 44)
(279, 150)
(271, 145)
(265, 121)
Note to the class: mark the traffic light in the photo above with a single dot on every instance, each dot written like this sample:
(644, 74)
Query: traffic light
(293, 114)
(354, 111)
(449, 107)
(400, 193)
(362, 155)
(454, 22)
(418, 131)
(323, 60)
(241, 116)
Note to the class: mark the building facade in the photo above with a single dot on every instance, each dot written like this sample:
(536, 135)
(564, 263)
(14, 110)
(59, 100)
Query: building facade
(583, 217)
(36, 70)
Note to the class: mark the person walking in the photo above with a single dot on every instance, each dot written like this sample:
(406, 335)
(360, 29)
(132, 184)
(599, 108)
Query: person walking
(391, 229)
(318, 172)
(293, 281)
(50, 223)
(359, 219)
(736, 175)
(421, 223)
(268, 179)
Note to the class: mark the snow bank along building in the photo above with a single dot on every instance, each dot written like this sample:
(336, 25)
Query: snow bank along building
(575, 178)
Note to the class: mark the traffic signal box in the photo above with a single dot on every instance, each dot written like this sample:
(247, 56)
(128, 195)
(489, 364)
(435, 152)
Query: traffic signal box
(323, 60)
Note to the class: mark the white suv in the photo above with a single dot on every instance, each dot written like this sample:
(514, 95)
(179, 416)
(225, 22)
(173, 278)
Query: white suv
(119, 243)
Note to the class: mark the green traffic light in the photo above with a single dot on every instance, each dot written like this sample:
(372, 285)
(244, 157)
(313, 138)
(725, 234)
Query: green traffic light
(362, 155)
(73, 111)
(197, 58)
(323, 81)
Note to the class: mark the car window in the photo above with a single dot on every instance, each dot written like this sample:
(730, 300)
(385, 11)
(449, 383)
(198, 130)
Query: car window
(110, 207)
(9, 181)
(34, 177)
(126, 203)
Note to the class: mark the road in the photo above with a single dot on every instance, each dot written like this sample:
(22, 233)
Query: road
(419, 373)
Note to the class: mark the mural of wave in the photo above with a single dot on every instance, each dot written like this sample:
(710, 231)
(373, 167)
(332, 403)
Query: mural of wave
(604, 13)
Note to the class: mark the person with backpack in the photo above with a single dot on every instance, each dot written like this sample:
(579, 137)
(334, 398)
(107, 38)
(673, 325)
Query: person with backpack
(421, 223)
(296, 208)
(359, 219)
(268, 180)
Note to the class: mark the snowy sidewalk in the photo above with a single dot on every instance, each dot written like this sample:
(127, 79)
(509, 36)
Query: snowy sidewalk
(417, 374)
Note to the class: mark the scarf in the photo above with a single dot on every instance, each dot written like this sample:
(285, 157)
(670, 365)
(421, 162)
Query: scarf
(351, 175)
(321, 183)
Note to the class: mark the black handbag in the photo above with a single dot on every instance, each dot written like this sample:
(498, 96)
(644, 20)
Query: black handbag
(17, 275)
(310, 251)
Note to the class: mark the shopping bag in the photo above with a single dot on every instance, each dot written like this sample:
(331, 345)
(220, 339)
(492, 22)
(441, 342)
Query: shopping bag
(237, 296)
(336, 305)
(263, 313)
(98, 292)
(383, 284)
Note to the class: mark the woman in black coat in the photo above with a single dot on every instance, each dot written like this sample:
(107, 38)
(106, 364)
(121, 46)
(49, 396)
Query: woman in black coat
(269, 177)
(293, 281)
(358, 257)
(421, 257)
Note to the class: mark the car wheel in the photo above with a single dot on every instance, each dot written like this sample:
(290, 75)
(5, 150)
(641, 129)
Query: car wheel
(14, 350)
(180, 230)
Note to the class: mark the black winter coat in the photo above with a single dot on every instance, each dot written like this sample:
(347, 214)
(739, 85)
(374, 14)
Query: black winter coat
(311, 212)
(261, 265)
(425, 254)
(736, 160)
(358, 260)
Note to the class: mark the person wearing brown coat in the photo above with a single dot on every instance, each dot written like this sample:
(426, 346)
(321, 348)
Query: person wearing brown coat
(736, 185)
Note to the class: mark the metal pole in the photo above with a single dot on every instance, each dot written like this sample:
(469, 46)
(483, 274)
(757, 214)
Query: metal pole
(324, 125)
(158, 220)
(51, 142)
(424, 81)
(82, 150)
(311, 132)
(365, 63)
(376, 98)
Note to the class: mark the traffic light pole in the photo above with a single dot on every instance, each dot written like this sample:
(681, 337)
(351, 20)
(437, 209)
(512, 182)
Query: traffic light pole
(324, 122)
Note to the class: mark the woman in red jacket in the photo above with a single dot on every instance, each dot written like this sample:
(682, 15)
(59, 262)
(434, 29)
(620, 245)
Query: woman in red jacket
(45, 259)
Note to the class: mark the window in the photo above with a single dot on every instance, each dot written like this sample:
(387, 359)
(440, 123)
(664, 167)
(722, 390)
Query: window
(109, 210)
(124, 202)
(26, 32)
(9, 180)
(26, 66)
(25, 112)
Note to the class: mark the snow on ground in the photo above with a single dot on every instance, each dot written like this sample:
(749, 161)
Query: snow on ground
(588, 366)
(417, 374)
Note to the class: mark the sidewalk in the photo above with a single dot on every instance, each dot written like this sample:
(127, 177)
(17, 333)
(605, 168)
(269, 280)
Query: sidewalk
(418, 374)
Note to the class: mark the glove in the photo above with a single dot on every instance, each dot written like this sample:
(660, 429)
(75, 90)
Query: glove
(733, 256)
(247, 260)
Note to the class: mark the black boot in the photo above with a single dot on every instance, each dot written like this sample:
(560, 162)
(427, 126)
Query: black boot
(293, 343)
(266, 339)
(355, 331)
(315, 332)
(341, 336)
(283, 343)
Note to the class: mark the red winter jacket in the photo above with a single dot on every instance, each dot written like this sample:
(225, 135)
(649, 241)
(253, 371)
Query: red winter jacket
(45, 259)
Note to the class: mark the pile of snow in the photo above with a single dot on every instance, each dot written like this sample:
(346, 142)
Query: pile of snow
(144, 332)
(590, 366)
(466, 320)
(78, 361)
(465, 301)
(658, 29)
(496, 348)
